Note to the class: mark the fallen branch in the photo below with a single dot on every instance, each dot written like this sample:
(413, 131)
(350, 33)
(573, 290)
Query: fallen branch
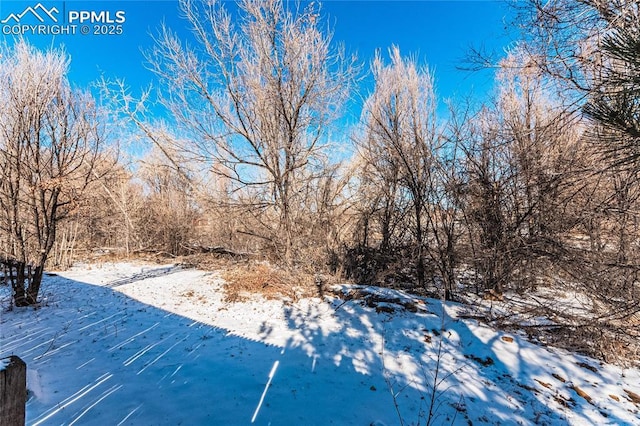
(216, 250)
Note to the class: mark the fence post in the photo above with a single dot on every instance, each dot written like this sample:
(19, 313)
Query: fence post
(13, 391)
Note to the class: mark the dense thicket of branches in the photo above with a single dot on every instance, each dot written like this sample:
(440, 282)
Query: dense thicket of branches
(253, 103)
(50, 140)
(536, 189)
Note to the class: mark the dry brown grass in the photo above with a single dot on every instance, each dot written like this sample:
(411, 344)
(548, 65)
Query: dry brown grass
(633, 397)
(269, 281)
(99, 256)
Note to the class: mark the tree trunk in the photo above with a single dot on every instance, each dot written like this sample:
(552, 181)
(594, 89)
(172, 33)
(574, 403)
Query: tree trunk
(420, 269)
(34, 285)
(18, 284)
(386, 226)
(286, 226)
(451, 264)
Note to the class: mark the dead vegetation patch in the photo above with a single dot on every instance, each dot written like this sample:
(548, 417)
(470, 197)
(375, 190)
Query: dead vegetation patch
(193, 296)
(545, 384)
(582, 394)
(634, 397)
(267, 280)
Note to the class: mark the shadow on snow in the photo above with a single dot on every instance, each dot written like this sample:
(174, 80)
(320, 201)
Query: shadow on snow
(110, 359)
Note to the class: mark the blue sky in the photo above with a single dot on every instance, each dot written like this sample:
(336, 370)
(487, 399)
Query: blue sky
(438, 32)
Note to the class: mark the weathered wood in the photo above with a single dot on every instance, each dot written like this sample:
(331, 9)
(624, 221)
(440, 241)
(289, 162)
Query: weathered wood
(13, 391)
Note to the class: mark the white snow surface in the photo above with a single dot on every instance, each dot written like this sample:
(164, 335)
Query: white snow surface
(140, 344)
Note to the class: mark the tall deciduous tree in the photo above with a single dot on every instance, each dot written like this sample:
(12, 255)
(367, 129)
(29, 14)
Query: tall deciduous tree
(401, 136)
(50, 140)
(253, 100)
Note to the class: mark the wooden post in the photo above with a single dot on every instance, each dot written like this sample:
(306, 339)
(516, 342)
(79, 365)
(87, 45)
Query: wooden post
(13, 391)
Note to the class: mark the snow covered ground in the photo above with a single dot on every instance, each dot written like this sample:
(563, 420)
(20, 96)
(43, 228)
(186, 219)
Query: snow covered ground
(137, 344)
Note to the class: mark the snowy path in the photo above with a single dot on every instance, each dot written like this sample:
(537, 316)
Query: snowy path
(157, 345)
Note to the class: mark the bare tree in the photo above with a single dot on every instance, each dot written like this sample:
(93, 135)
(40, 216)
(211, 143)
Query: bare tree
(253, 102)
(446, 199)
(401, 137)
(521, 165)
(169, 216)
(585, 53)
(378, 197)
(50, 140)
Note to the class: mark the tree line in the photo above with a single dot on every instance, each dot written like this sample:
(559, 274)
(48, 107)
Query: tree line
(534, 188)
